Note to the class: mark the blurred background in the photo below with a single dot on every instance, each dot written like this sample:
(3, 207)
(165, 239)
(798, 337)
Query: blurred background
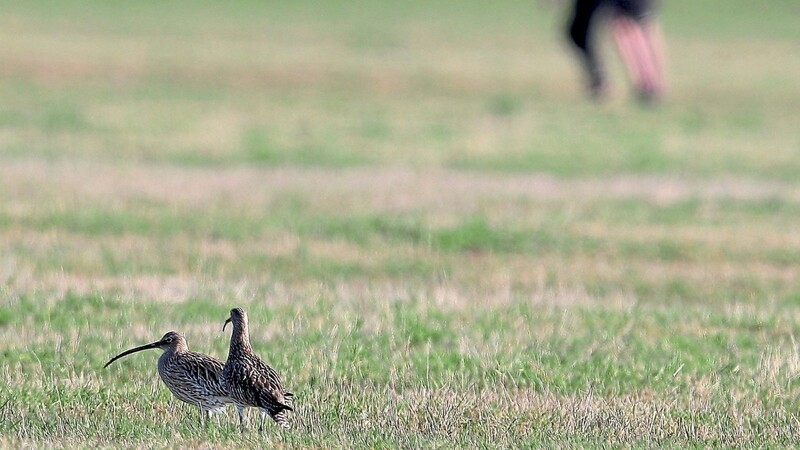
(420, 210)
(449, 84)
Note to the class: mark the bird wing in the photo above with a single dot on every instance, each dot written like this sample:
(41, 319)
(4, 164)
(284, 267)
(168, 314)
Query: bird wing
(267, 383)
(205, 371)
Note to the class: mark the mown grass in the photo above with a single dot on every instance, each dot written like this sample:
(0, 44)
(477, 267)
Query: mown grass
(376, 370)
(438, 241)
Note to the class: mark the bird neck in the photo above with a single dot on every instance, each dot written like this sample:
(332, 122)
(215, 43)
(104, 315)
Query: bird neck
(177, 349)
(165, 358)
(240, 338)
(180, 347)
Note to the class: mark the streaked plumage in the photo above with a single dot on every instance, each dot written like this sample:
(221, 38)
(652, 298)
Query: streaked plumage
(192, 377)
(248, 380)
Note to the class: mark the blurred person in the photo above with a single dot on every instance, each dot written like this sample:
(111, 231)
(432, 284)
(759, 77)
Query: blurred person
(637, 35)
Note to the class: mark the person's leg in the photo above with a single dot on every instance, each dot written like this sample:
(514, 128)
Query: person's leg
(580, 34)
(636, 34)
(656, 40)
(636, 48)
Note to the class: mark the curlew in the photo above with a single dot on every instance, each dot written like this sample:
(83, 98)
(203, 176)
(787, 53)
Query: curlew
(192, 377)
(249, 380)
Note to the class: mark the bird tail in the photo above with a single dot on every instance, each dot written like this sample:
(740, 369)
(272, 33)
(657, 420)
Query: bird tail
(277, 408)
(280, 417)
(288, 398)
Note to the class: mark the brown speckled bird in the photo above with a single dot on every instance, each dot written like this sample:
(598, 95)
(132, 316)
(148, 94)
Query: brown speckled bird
(192, 377)
(248, 380)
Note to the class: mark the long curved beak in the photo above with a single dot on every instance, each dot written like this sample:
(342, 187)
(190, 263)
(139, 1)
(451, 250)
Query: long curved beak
(227, 321)
(134, 350)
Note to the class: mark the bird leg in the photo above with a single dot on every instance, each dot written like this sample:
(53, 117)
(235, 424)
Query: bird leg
(240, 410)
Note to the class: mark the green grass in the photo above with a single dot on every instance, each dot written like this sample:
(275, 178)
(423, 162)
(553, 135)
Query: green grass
(439, 242)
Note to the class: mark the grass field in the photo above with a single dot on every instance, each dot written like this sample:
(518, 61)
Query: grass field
(439, 241)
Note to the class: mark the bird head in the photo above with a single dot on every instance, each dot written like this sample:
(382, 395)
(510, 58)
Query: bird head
(237, 316)
(170, 341)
